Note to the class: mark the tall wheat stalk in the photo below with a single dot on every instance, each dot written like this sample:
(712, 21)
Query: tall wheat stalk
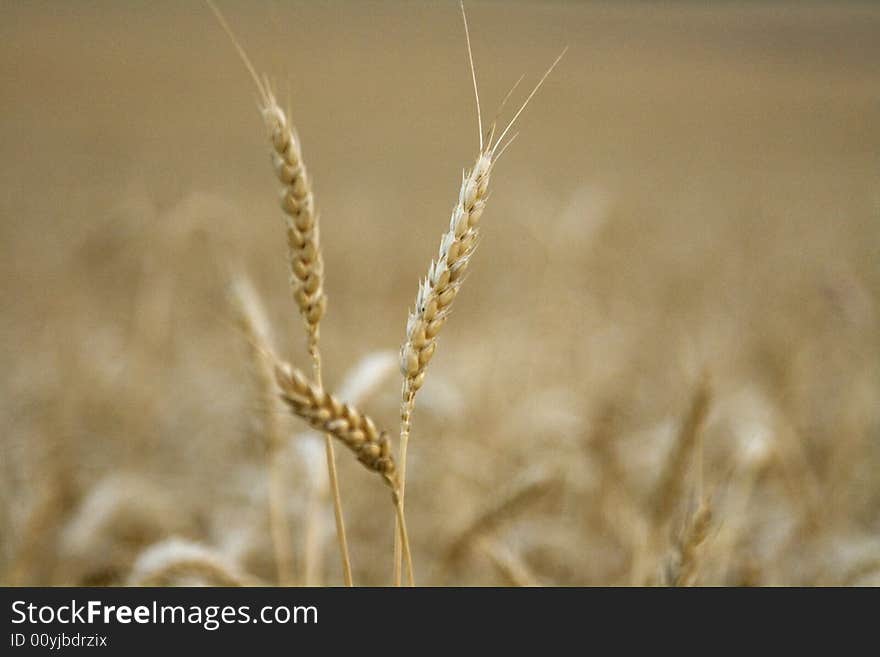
(304, 250)
(438, 289)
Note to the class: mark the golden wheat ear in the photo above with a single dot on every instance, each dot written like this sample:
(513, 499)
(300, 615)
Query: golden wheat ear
(356, 430)
(296, 198)
(446, 273)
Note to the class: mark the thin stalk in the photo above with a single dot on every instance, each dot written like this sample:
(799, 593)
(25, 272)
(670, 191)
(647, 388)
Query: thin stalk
(315, 353)
(278, 525)
(405, 424)
(397, 498)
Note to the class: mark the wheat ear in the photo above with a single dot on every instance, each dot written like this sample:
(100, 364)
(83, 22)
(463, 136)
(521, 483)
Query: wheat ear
(304, 249)
(439, 288)
(174, 559)
(357, 431)
(255, 325)
(667, 496)
(668, 492)
(690, 546)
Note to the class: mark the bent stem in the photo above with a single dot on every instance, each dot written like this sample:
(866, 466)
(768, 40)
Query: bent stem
(315, 353)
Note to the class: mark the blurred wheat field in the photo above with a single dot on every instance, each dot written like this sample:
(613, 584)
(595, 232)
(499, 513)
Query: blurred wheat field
(664, 367)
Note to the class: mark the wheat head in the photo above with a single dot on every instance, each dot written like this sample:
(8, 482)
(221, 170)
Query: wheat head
(324, 412)
(438, 289)
(298, 204)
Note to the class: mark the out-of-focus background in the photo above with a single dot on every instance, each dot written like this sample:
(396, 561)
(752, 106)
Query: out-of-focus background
(663, 367)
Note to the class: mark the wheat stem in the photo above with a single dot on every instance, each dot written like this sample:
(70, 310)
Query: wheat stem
(404, 537)
(315, 353)
(406, 409)
(278, 525)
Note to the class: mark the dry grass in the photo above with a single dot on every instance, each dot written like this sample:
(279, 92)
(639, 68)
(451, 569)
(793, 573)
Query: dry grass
(694, 191)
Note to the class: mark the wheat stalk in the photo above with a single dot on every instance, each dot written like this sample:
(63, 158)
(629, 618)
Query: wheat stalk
(360, 382)
(304, 250)
(446, 273)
